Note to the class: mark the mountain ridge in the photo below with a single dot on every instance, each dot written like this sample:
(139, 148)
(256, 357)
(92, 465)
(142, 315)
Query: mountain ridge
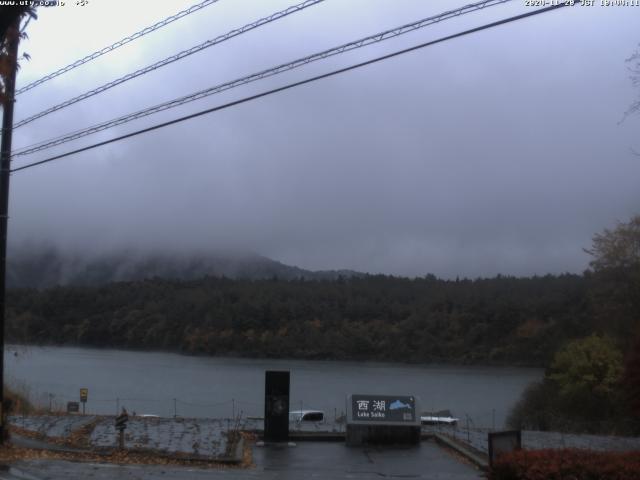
(47, 267)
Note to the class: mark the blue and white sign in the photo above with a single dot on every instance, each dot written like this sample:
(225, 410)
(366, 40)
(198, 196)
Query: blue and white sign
(383, 408)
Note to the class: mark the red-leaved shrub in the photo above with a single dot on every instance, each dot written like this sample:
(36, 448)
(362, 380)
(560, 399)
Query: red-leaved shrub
(566, 464)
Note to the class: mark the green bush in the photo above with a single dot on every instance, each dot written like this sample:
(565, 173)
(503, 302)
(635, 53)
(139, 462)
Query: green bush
(535, 409)
(582, 392)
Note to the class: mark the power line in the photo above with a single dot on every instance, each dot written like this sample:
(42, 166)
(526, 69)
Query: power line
(118, 44)
(294, 84)
(173, 58)
(371, 39)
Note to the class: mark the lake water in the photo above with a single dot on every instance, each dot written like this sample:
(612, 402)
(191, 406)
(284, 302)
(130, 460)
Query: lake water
(167, 383)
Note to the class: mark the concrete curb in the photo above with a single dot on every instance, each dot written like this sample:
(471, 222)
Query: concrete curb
(36, 444)
(9, 472)
(307, 436)
(317, 437)
(476, 458)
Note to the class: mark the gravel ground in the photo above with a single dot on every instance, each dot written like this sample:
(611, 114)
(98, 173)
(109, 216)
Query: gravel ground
(180, 435)
(60, 426)
(205, 437)
(200, 437)
(172, 435)
(539, 440)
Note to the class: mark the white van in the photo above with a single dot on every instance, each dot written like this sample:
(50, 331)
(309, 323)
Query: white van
(315, 416)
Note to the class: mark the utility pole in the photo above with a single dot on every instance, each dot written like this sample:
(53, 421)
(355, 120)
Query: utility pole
(12, 38)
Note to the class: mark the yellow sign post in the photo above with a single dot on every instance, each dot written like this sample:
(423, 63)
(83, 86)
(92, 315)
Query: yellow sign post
(84, 394)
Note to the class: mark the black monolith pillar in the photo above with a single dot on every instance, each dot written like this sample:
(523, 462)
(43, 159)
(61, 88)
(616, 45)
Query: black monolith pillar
(276, 406)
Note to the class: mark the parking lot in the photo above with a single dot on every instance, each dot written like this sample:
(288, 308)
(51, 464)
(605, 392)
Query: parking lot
(305, 460)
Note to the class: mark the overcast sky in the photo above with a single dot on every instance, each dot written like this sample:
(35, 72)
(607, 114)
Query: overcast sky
(498, 152)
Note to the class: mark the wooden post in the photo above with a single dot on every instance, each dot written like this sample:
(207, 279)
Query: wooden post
(121, 425)
(12, 38)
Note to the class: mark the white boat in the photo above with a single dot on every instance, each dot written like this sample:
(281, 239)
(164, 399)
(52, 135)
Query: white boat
(442, 417)
(315, 416)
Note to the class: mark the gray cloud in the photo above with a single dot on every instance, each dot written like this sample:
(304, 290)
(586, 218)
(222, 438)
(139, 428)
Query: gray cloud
(495, 153)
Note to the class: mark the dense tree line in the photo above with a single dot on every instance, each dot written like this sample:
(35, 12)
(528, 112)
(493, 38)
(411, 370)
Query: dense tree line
(593, 383)
(502, 320)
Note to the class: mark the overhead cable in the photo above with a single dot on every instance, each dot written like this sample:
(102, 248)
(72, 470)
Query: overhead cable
(173, 58)
(371, 39)
(293, 85)
(118, 44)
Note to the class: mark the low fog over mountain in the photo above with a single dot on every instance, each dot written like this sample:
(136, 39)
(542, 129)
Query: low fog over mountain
(500, 152)
(47, 266)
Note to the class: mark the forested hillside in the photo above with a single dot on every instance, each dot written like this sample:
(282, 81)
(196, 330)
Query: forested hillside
(505, 320)
(44, 266)
(501, 320)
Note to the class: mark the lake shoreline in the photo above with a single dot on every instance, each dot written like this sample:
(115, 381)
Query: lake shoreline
(237, 355)
(165, 384)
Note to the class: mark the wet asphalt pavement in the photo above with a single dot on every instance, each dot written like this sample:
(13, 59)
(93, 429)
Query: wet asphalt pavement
(330, 461)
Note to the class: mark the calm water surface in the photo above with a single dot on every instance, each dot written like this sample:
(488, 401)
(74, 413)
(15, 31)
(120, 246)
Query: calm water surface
(167, 383)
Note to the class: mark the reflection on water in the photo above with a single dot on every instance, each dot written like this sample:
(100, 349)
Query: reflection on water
(166, 383)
